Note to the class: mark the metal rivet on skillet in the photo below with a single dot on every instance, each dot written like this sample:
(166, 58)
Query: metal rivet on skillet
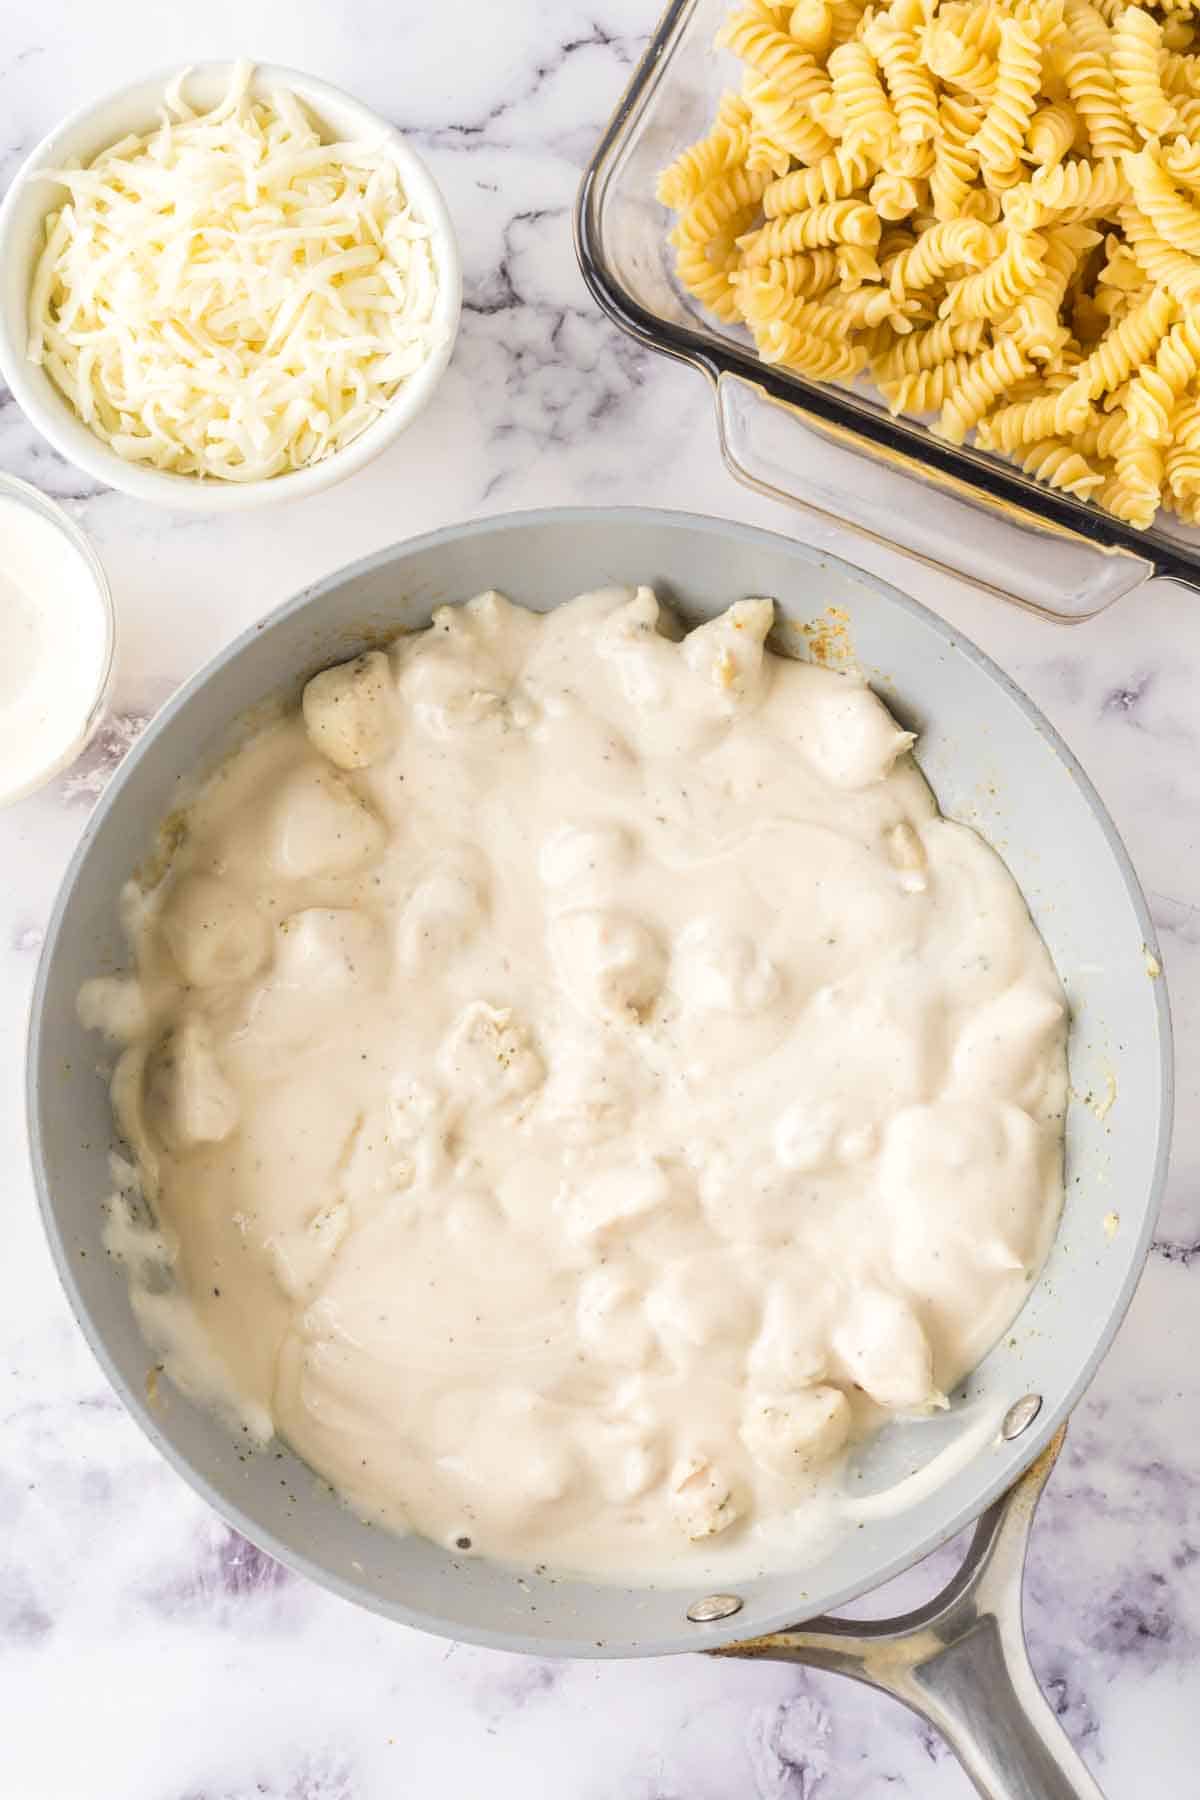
(714, 1606)
(1020, 1416)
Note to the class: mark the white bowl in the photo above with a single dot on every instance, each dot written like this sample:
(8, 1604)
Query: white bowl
(135, 109)
(77, 733)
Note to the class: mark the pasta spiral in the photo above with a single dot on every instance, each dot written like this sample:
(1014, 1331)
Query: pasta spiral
(1127, 345)
(1180, 74)
(1053, 130)
(1181, 465)
(1154, 392)
(996, 288)
(820, 357)
(951, 184)
(1136, 49)
(721, 200)
(723, 148)
(942, 247)
(709, 278)
(836, 222)
(896, 196)
(1138, 477)
(1010, 109)
(1053, 415)
(984, 379)
(926, 390)
(856, 263)
(1092, 86)
(811, 26)
(926, 349)
(1069, 194)
(1061, 466)
(1172, 269)
(772, 54)
(1182, 161)
(845, 18)
(787, 278)
(912, 90)
(857, 89)
(1035, 321)
(835, 177)
(786, 121)
(959, 61)
(1175, 218)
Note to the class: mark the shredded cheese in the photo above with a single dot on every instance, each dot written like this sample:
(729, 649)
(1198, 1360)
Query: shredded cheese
(230, 297)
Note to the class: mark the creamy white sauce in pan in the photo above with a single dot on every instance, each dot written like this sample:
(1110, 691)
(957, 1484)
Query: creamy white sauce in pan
(581, 1081)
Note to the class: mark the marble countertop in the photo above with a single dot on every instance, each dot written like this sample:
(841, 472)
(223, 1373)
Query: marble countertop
(146, 1653)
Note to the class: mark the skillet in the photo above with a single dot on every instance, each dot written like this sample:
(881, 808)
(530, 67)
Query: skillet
(994, 763)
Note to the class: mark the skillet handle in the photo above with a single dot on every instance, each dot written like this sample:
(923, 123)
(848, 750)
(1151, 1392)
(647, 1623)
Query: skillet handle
(960, 1661)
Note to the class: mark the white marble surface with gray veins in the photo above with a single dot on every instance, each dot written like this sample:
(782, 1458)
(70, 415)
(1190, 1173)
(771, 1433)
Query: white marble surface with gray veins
(146, 1652)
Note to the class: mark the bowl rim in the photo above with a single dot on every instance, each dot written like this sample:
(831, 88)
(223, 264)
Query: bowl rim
(926, 1536)
(50, 413)
(26, 494)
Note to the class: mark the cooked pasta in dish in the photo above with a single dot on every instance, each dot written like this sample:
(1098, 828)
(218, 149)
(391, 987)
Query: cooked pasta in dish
(991, 207)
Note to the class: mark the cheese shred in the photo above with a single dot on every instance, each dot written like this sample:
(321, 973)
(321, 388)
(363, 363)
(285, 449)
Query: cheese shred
(229, 296)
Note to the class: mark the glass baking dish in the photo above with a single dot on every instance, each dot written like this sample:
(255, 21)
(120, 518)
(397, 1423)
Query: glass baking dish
(834, 451)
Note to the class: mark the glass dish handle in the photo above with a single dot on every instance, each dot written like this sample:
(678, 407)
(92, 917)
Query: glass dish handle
(778, 449)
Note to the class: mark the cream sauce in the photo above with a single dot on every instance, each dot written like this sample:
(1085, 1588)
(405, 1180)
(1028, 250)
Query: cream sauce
(581, 1082)
(54, 647)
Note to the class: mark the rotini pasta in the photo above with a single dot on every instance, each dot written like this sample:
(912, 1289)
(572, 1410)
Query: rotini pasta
(897, 196)
(1181, 465)
(984, 380)
(1154, 392)
(845, 18)
(1127, 345)
(786, 121)
(926, 390)
(956, 166)
(1091, 84)
(1175, 219)
(911, 86)
(996, 288)
(1180, 74)
(1061, 465)
(724, 147)
(926, 349)
(836, 222)
(1053, 130)
(858, 91)
(992, 205)
(1136, 50)
(1069, 194)
(772, 54)
(1172, 269)
(1011, 107)
(1030, 421)
(800, 277)
(811, 26)
(1035, 321)
(856, 263)
(835, 177)
(823, 358)
(1182, 162)
(1138, 478)
(957, 58)
(940, 248)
